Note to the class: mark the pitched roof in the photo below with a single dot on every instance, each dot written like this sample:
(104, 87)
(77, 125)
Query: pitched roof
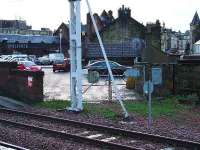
(12, 38)
(197, 43)
(195, 20)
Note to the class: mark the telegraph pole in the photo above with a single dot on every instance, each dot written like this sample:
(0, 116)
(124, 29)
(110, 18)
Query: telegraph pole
(75, 57)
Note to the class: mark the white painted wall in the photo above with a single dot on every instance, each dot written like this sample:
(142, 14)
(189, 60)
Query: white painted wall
(196, 48)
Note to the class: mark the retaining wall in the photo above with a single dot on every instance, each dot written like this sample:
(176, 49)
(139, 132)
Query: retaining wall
(180, 79)
(21, 85)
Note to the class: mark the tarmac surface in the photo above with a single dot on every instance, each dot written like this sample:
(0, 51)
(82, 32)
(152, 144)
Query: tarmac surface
(57, 87)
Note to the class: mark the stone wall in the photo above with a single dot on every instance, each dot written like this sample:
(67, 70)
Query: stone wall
(167, 85)
(14, 83)
(187, 78)
(179, 79)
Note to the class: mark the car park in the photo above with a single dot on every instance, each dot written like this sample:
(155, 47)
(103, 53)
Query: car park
(28, 66)
(62, 65)
(101, 67)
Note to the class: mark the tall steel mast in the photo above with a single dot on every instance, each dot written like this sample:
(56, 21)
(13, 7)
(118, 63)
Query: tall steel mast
(75, 56)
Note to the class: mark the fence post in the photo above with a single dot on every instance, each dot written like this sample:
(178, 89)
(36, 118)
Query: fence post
(109, 89)
(173, 76)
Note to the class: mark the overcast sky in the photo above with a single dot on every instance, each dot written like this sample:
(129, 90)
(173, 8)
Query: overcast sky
(177, 14)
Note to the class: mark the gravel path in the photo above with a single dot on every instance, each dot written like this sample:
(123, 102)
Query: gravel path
(36, 141)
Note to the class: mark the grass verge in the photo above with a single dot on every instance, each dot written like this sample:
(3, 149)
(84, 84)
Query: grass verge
(167, 107)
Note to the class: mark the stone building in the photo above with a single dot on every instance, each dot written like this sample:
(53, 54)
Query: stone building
(63, 31)
(194, 30)
(173, 42)
(20, 27)
(123, 28)
(17, 24)
(124, 38)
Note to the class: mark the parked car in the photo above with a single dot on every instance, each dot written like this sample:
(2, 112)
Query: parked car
(32, 58)
(17, 59)
(28, 66)
(56, 57)
(62, 65)
(2, 57)
(100, 66)
(44, 60)
(6, 58)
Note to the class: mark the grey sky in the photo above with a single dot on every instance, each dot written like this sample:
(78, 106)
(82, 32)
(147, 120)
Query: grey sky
(177, 14)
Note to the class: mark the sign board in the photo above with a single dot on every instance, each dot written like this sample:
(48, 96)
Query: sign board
(93, 76)
(148, 87)
(30, 81)
(132, 73)
(156, 76)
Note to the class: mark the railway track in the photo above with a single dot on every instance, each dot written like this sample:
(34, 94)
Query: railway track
(98, 135)
(7, 146)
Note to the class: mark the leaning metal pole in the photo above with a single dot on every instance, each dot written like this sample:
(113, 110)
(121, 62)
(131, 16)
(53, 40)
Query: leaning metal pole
(75, 57)
(119, 98)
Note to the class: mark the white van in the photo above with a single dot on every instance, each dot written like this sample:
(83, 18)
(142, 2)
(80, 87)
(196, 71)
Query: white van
(56, 57)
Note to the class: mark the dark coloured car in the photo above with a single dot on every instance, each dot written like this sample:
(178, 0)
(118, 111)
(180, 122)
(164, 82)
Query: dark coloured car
(61, 65)
(100, 66)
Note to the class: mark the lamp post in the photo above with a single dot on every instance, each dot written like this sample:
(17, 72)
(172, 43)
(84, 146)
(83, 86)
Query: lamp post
(60, 40)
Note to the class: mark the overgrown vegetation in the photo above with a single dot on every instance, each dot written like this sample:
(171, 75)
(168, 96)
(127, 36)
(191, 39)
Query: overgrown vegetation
(168, 107)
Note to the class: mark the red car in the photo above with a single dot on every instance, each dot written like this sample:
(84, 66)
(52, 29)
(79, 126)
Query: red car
(28, 66)
(62, 65)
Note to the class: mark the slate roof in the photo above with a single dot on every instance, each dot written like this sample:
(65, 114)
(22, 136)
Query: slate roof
(12, 38)
(125, 49)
